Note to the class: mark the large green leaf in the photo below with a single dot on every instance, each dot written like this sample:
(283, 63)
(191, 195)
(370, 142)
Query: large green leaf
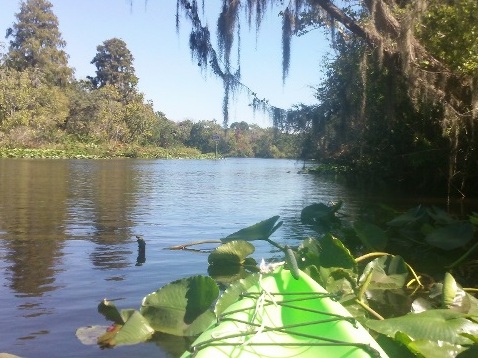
(372, 236)
(135, 330)
(260, 231)
(384, 273)
(427, 348)
(333, 253)
(451, 236)
(231, 253)
(434, 325)
(450, 289)
(182, 307)
(331, 263)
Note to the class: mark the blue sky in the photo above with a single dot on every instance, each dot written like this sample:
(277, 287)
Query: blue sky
(167, 75)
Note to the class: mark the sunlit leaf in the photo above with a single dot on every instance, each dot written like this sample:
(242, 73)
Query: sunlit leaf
(231, 253)
(450, 289)
(386, 272)
(176, 307)
(471, 337)
(372, 236)
(291, 262)
(451, 236)
(427, 348)
(450, 294)
(260, 231)
(434, 325)
(135, 330)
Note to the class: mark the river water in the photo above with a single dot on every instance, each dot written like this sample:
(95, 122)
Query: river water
(67, 237)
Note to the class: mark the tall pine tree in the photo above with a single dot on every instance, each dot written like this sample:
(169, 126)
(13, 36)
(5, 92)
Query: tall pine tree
(36, 43)
(114, 63)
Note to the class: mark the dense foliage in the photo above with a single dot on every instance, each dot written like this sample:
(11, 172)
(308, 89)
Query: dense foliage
(43, 107)
(413, 66)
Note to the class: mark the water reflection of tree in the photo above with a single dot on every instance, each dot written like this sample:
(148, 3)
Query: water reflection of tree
(32, 216)
(114, 186)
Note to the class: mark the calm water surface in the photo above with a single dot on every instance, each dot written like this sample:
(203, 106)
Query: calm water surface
(67, 240)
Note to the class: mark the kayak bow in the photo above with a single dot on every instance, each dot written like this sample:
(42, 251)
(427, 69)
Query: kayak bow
(279, 316)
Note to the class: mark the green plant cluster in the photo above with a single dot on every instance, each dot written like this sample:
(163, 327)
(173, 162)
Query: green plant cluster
(412, 313)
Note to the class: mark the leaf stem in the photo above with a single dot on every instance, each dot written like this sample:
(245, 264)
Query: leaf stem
(369, 309)
(183, 246)
(378, 254)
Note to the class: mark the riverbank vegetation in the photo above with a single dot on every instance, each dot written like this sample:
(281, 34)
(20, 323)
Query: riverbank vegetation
(399, 101)
(397, 106)
(45, 112)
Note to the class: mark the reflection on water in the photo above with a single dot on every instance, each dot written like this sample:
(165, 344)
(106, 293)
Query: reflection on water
(68, 236)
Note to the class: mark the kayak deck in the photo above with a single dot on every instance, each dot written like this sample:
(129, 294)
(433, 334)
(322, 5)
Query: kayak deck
(280, 316)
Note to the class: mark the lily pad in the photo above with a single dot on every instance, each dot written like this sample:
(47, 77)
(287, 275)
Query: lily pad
(231, 253)
(181, 308)
(260, 231)
(427, 348)
(434, 325)
(135, 330)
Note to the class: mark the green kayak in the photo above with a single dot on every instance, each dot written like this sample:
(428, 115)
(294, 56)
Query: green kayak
(279, 316)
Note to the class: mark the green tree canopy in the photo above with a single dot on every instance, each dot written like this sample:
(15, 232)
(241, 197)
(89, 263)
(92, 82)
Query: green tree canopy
(37, 43)
(429, 44)
(114, 63)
